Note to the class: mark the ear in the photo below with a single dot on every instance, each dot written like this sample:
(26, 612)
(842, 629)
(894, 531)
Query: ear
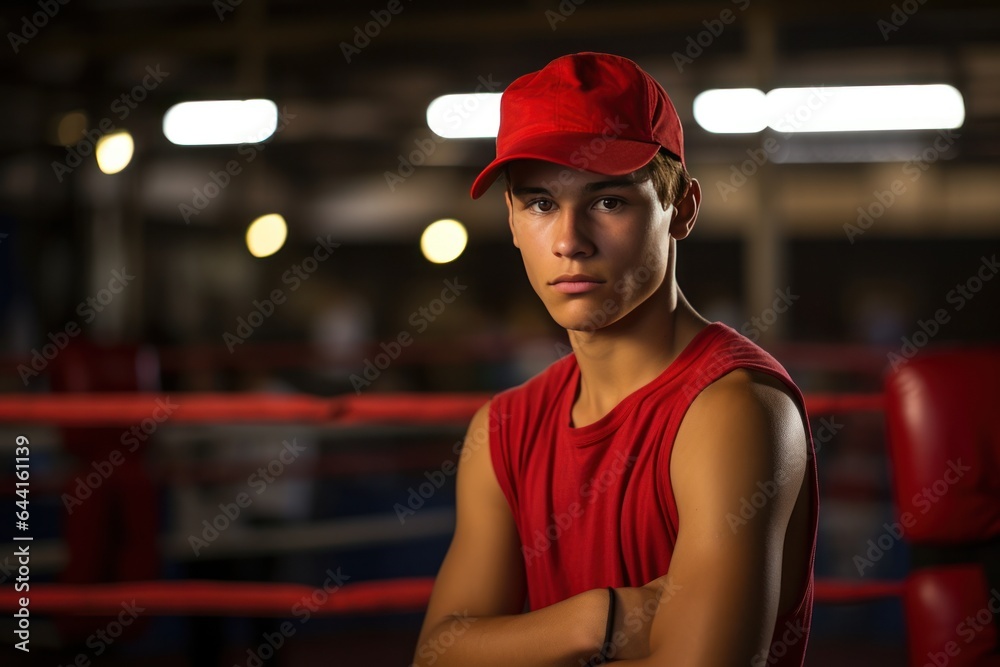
(686, 211)
(510, 216)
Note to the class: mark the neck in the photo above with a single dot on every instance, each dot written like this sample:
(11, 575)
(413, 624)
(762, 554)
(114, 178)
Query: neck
(617, 359)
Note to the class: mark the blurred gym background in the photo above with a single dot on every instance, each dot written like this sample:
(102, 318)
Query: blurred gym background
(836, 251)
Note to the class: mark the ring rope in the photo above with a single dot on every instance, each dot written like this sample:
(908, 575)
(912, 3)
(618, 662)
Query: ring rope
(194, 597)
(198, 597)
(122, 409)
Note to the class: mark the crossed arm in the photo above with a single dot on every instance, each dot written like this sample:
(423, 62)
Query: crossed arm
(716, 605)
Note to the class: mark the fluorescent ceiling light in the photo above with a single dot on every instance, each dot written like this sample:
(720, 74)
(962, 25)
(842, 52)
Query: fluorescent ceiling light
(735, 110)
(465, 116)
(220, 122)
(831, 109)
(865, 108)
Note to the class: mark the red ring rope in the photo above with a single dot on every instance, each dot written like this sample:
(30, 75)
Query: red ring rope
(278, 599)
(207, 598)
(111, 409)
(165, 598)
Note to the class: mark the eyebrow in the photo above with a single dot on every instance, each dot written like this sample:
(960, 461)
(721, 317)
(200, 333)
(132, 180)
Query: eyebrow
(524, 190)
(589, 187)
(605, 185)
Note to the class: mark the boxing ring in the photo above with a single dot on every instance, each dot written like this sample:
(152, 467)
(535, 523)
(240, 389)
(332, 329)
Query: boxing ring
(264, 599)
(905, 392)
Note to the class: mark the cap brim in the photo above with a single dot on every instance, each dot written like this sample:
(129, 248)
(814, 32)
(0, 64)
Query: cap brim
(576, 150)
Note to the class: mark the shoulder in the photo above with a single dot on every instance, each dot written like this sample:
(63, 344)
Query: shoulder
(750, 402)
(475, 462)
(744, 428)
(749, 393)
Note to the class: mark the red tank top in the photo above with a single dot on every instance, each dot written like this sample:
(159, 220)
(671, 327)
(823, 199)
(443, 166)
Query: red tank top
(570, 489)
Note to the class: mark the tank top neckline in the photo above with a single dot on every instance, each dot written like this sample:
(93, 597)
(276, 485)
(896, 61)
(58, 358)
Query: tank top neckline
(595, 432)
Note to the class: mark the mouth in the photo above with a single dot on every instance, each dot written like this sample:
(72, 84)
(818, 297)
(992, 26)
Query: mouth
(576, 283)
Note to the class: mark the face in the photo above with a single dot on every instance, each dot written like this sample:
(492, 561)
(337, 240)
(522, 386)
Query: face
(595, 247)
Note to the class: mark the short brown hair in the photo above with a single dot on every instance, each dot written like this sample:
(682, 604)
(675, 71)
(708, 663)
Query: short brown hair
(670, 179)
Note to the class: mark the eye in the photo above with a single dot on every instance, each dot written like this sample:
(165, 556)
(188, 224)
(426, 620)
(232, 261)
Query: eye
(610, 203)
(540, 205)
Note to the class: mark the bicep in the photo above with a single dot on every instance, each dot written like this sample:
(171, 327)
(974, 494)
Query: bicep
(736, 440)
(482, 573)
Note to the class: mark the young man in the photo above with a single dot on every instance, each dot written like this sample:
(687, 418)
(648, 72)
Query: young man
(667, 458)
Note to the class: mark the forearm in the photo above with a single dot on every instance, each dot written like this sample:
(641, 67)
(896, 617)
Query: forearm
(561, 635)
(636, 610)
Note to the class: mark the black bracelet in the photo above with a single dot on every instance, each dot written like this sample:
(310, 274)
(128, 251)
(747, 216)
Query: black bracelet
(606, 646)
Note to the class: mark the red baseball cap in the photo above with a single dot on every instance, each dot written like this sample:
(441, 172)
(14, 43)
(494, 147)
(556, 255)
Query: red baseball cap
(589, 111)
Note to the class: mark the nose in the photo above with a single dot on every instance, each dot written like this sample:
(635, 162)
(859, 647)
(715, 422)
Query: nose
(571, 237)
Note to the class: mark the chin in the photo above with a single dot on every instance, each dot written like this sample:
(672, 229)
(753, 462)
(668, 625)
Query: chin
(584, 315)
